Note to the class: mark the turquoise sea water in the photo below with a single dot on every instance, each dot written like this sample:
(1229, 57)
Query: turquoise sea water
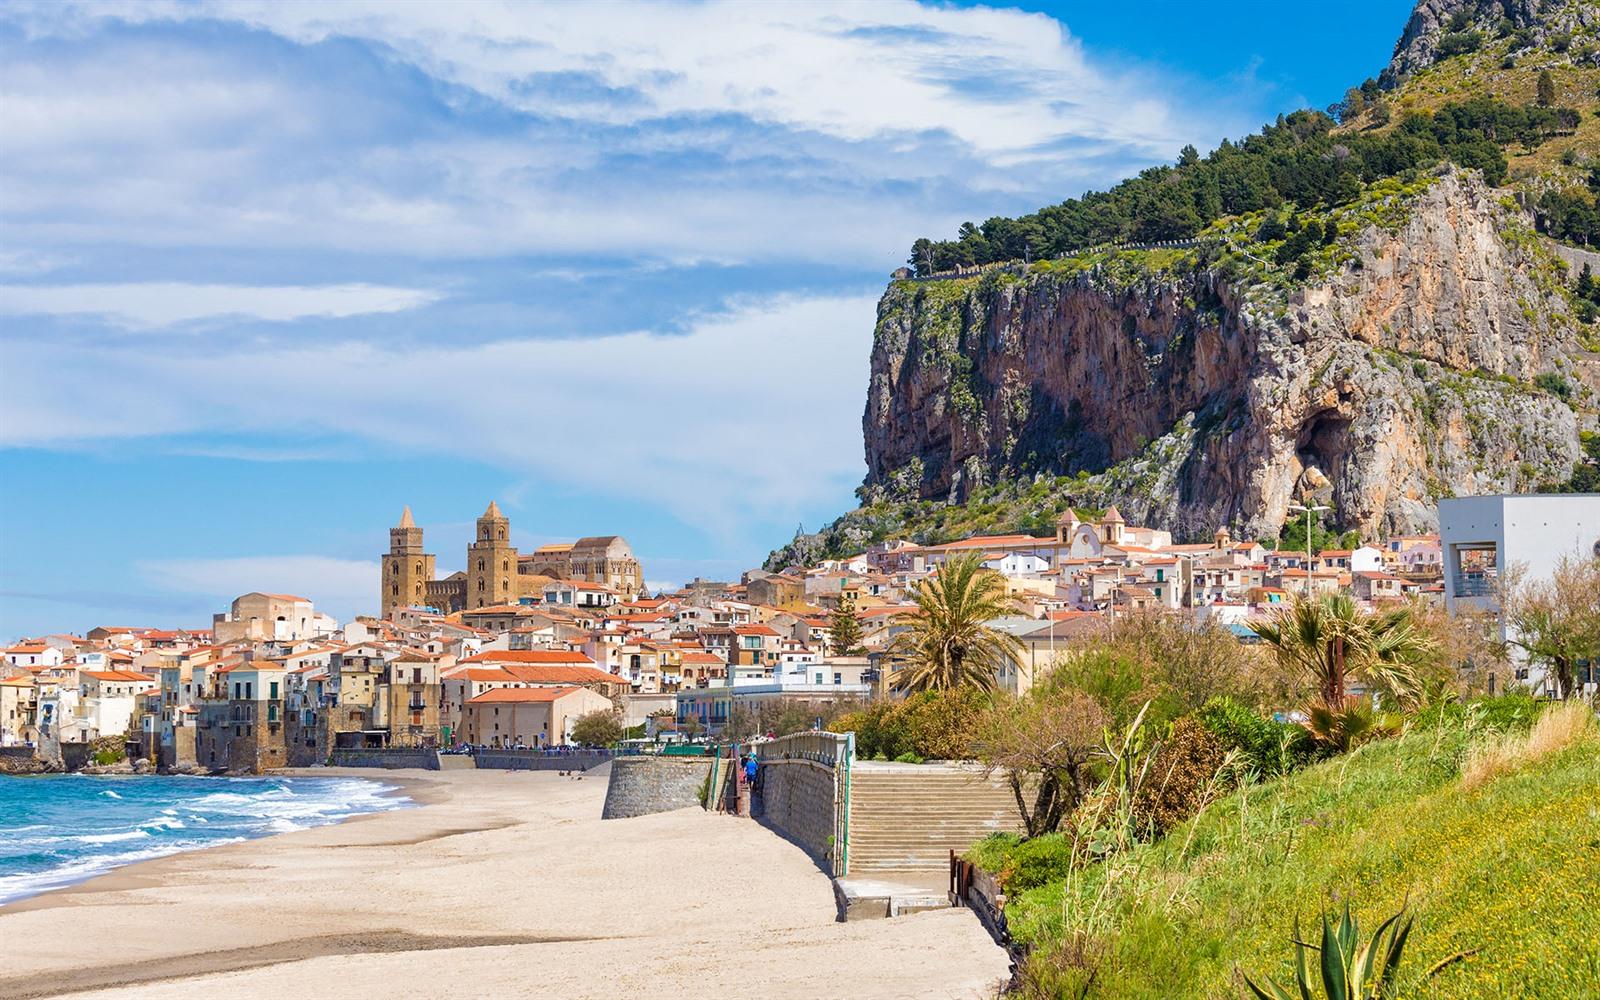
(62, 829)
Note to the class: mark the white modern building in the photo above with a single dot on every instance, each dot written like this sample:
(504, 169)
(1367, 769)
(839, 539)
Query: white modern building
(1482, 537)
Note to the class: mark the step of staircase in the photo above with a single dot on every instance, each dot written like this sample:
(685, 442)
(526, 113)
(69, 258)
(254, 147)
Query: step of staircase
(906, 820)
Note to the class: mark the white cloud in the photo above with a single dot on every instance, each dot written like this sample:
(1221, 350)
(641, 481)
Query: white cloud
(753, 414)
(166, 303)
(336, 586)
(680, 132)
(1003, 81)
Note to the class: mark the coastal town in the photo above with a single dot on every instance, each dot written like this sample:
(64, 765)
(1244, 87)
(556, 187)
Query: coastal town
(515, 649)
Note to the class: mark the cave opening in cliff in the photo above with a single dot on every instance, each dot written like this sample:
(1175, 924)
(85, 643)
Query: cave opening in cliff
(1324, 442)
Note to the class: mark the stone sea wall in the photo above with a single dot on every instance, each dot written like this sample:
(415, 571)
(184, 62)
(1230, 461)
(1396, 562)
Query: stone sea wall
(640, 786)
(799, 799)
(427, 760)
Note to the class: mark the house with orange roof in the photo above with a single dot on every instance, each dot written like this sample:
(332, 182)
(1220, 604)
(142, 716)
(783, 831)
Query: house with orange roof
(529, 717)
(19, 708)
(34, 653)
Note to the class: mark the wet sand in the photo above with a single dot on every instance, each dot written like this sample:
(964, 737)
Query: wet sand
(502, 884)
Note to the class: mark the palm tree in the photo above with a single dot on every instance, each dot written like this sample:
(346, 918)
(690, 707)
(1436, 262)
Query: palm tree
(1329, 639)
(948, 642)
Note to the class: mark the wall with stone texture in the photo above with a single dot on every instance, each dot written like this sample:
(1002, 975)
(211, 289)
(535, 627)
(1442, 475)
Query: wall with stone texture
(536, 760)
(427, 760)
(799, 799)
(643, 785)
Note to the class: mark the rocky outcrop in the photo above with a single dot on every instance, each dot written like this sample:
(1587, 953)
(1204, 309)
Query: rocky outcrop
(1196, 398)
(1419, 43)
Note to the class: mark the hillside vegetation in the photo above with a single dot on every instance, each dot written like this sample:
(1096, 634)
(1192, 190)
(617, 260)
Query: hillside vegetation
(1500, 871)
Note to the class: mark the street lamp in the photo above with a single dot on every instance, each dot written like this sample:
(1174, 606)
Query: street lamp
(1308, 510)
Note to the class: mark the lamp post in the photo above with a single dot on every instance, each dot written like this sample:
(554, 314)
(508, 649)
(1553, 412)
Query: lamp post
(1308, 509)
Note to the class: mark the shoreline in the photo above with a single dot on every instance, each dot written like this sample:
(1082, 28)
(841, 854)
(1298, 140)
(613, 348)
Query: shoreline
(411, 788)
(503, 883)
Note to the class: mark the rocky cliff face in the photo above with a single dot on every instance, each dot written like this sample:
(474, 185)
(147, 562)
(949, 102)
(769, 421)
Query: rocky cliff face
(1196, 397)
(1429, 22)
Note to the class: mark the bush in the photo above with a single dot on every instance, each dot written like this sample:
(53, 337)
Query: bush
(931, 725)
(1269, 747)
(909, 758)
(1183, 778)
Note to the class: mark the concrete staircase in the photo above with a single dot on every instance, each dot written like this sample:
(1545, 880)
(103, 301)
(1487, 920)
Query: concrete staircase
(905, 819)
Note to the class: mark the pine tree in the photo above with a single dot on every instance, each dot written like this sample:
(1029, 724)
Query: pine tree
(1547, 89)
(844, 629)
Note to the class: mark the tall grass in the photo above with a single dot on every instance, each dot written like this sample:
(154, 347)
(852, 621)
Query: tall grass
(1499, 879)
(1557, 729)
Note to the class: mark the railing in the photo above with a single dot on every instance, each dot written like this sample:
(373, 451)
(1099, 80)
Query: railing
(1473, 584)
(828, 749)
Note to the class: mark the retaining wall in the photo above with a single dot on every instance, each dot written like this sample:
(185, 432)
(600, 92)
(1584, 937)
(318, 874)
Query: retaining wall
(800, 799)
(427, 760)
(534, 760)
(643, 785)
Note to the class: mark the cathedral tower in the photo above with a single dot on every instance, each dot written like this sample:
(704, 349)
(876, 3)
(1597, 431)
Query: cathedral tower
(406, 569)
(491, 562)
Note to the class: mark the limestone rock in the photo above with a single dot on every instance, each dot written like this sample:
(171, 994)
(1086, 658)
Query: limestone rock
(1198, 401)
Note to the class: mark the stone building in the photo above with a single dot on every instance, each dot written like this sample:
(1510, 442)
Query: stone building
(258, 617)
(239, 722)
(412, 685)
(496, 573)
(407, 569)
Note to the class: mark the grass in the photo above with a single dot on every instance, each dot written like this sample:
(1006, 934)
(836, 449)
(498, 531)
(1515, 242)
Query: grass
(1504, 870)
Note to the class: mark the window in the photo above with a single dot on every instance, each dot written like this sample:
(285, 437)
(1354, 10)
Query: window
(838, 678)
(274, 690)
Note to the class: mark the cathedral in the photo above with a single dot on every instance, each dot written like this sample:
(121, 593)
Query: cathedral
(496, 572)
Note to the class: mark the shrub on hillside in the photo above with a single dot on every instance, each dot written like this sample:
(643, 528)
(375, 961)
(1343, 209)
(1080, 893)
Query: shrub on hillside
(1269, 747)
(1183, 778)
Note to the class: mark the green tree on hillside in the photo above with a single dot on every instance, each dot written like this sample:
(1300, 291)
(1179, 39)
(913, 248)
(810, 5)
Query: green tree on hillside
(948, 642)
(1547, 89)
(844, 629)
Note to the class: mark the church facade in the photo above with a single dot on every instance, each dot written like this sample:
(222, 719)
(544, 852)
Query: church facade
(496, 572)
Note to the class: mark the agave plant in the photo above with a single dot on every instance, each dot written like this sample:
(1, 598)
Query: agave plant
(1345, 968)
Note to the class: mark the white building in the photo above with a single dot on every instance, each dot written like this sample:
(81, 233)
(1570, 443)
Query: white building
(1482, 537)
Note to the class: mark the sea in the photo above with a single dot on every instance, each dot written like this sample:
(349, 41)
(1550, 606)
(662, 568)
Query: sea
(56, 830)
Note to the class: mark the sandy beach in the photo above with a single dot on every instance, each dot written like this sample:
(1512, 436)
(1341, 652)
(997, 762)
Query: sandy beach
(503, 884)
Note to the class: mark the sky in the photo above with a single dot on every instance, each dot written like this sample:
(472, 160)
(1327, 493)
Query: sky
(270, 271)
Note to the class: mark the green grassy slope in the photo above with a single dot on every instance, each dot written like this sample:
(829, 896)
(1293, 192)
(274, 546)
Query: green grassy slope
(1511, 870)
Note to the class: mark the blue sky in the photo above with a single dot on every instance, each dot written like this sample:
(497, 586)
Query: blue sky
(270, 271)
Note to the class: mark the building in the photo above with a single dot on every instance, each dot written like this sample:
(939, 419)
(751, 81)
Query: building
(258, 617)
(1482, 538)
(497, 574)
(19, 707)
(529, 716)
(406, 569)
(239, 722)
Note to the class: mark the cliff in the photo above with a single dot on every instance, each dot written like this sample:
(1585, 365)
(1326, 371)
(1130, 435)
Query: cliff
(1431, 21)
(1431, 353)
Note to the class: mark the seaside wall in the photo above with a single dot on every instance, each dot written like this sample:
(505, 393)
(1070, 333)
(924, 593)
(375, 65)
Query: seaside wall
(800, 799)
(643, 785)
(535, 760)
(427, 760)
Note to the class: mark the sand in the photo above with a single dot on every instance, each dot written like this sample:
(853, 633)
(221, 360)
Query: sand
(500, 884)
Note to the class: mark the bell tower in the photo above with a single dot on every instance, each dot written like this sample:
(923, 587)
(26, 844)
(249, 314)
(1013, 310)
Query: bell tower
(491, 561)
(406, 569)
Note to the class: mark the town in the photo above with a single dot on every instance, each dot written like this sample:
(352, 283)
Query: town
(514, 651)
